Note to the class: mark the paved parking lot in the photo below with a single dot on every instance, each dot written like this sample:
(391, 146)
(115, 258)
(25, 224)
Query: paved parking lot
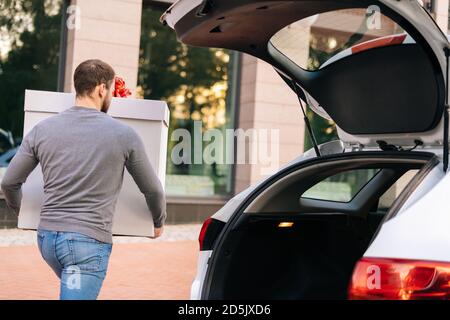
(139, 268)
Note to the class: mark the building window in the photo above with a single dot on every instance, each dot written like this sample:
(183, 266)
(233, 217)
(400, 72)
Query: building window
(30, 34)
(198, 85)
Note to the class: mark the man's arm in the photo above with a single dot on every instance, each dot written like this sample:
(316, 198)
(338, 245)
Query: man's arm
(146, 179)
(18, 171)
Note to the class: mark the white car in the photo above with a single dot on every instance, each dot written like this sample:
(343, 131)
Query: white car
(365, 217)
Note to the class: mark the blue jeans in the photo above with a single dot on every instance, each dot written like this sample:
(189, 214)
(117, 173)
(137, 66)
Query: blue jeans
(80, 262)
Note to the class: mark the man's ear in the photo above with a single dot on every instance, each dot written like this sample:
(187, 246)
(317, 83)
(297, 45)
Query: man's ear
(102, 90)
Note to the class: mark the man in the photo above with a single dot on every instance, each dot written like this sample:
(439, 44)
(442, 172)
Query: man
(83, 153)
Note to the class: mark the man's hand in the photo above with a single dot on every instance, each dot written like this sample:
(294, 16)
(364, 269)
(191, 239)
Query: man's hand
(158, 232)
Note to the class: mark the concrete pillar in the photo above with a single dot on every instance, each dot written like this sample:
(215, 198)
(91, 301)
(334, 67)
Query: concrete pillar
(441, 14)
(108, 30)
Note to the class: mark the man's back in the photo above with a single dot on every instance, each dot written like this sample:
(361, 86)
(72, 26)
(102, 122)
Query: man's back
(83, 153)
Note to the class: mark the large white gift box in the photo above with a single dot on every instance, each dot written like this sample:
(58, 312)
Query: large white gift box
(149, 118)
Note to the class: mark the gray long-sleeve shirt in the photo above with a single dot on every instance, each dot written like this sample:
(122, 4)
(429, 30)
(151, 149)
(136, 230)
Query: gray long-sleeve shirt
(83, 153)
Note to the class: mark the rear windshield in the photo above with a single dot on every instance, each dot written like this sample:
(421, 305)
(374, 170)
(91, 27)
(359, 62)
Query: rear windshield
(330, 36)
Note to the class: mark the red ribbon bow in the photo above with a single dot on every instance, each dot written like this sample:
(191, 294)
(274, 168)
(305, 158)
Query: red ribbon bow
(121, 91)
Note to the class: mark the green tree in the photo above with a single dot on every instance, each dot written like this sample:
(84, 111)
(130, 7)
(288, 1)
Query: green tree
(33, 29)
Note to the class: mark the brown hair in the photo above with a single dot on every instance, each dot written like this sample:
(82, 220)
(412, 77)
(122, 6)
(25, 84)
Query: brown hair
(90, 74)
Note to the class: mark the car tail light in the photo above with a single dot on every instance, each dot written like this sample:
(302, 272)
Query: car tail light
(397, 279)
(209, 232)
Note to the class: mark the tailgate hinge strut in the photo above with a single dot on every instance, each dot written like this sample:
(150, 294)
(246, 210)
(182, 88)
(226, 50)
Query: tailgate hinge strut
(306, 119)
(446, 109)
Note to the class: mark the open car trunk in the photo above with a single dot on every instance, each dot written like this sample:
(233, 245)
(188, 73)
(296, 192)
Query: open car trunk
(315, 257)
(384, 94)
(312, 260)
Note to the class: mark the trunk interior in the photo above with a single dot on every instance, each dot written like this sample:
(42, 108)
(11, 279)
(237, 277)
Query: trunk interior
(312, 260)
(315, 257)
